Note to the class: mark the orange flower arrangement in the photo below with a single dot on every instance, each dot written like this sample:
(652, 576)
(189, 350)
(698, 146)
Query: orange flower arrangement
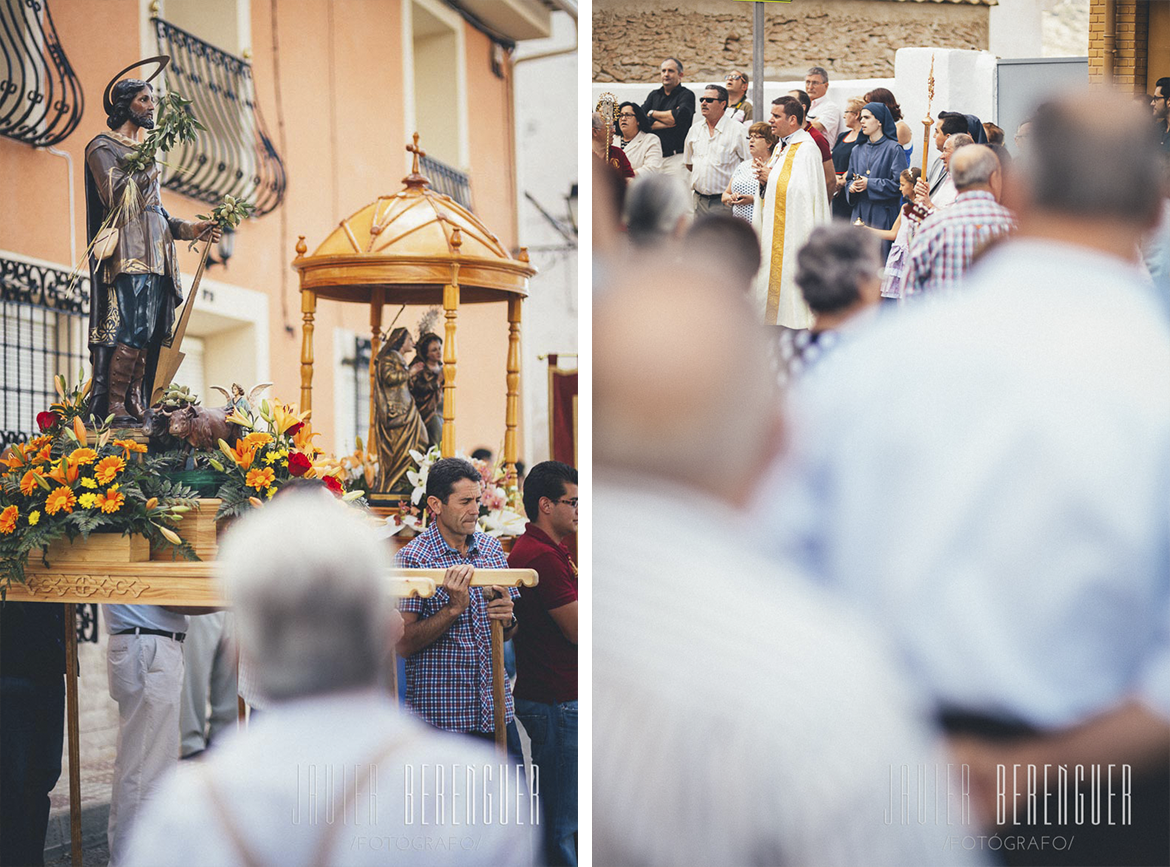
(61, 499)
(107, 469)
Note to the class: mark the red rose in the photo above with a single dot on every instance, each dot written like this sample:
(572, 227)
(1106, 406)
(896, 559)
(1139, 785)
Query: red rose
(333, 484)
(292, 431)
(298, 464)
(46, 420)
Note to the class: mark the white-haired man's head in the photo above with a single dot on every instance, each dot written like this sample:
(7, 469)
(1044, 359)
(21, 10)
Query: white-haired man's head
(306, 577)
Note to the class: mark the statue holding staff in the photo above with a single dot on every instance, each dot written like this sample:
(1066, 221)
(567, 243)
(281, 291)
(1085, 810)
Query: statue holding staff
(133, 265)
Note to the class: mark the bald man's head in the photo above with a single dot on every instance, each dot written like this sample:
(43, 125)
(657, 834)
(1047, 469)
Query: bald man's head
(973, 166)
(682, 385)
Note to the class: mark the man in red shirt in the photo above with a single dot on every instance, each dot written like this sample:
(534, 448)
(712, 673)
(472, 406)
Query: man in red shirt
(546, 650)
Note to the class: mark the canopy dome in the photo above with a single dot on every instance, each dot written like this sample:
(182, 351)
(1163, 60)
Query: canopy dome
(412, 244)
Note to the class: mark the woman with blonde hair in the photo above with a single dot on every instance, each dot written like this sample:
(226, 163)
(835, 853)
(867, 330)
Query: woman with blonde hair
(843, 147)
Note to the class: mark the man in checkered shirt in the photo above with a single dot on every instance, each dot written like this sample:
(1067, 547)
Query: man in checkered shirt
(948, 239)
(447, 638)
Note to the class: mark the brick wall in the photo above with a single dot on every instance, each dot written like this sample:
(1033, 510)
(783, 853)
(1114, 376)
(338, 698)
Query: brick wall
(1131, 43)
(850, 38)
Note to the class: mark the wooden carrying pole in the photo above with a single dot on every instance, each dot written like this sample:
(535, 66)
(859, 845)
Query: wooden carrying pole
(74, 734)
(498, 695)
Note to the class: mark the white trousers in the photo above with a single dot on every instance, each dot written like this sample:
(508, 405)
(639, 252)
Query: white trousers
(209, 660)
(146, 676)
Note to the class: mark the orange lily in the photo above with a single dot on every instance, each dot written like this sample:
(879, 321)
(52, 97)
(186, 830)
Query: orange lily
(29, 483)
(284, 417)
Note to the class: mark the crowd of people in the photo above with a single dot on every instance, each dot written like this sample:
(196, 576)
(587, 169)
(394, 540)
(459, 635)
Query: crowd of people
(911, 603)
(805, 162)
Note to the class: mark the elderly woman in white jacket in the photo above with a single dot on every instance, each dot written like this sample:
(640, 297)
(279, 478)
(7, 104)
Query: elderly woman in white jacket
(643, 149)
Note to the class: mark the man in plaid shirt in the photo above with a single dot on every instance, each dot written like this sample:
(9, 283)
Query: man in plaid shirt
(447, 638)
(947, 240)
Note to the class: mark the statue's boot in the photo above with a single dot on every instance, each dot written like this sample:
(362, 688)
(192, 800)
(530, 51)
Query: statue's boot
(134, 402)
(121, 372)
(99, 395)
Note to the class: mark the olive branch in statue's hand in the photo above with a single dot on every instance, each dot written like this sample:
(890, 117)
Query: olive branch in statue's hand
(175, 123)
(227, 215)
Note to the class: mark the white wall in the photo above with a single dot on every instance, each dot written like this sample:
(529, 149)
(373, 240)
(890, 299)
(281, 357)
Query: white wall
(1016, 28)
(546, 167)
(963, 81)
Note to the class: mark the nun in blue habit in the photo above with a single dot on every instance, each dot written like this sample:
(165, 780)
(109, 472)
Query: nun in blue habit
(871, 183)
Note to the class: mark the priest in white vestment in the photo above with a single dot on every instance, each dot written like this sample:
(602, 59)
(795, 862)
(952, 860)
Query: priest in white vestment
(794, 203)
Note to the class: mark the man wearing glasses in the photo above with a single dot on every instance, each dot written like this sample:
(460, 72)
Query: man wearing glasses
(546, 650)
(1161, 106)
(824, 115)
(738, 105)
(712, 151)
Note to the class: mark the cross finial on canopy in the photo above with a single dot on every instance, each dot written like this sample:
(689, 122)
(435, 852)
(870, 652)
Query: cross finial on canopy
(418, 152)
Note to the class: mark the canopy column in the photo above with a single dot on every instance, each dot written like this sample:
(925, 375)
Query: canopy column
(512, 407)
(308, 311)
(377, 298)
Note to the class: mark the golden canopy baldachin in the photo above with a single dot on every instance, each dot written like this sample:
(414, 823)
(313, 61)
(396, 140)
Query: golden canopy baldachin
(417, 246)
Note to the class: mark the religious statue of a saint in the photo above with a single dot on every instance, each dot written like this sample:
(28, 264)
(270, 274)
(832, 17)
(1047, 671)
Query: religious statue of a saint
(398, 425)
(135, 282)
(426, 384)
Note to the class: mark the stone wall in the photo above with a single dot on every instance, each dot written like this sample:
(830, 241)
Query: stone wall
(850, 38)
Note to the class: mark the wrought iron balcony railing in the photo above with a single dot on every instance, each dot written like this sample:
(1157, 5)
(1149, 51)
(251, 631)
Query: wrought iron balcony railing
(40, 97)
(448, 181)
(43, 329)
(235, 156)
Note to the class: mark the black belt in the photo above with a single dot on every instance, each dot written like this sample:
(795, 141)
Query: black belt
(142, 630)
(718, 196)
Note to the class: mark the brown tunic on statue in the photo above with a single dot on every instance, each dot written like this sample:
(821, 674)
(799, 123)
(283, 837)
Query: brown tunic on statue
(146, 232)
(398, 425)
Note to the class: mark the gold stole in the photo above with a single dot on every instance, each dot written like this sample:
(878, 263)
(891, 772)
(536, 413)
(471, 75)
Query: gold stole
(772, 310)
